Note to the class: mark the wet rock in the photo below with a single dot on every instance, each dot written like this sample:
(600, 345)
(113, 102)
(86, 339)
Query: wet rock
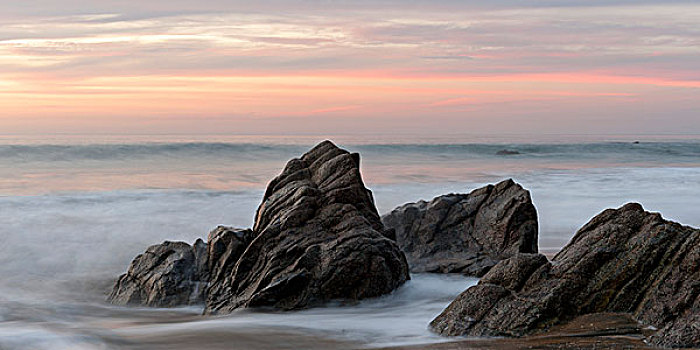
(624, 260)
(513, 273)
(166, 275)
(175, 273)
(466, 233)
(225, 245)
(317, 237)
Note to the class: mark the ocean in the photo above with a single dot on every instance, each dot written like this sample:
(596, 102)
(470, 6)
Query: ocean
(75, 209)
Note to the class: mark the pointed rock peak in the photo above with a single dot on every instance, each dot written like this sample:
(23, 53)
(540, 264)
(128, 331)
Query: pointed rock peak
(632, 207)
(323, 148)
(317, 237)
(324, 145)
(507, 183)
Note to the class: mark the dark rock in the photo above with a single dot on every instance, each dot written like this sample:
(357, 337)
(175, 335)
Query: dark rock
(225, 245)
(512, 273)
(466, 233)
(166, 275)
(506, 152)
(624, 261)
(175, 273)
(317, 237)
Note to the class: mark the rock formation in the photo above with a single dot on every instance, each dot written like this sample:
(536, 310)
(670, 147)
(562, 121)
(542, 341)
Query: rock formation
(317, 237)
(466, 233)
(175, 273)
(166, 275)
(624, 260)
(225, 246)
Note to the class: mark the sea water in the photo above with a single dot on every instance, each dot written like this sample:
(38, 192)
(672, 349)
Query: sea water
(75, 209)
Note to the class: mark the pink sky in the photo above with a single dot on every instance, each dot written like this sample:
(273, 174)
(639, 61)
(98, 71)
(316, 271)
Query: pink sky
(433, 67)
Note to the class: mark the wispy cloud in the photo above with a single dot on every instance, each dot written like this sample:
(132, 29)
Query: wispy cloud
(289, 60)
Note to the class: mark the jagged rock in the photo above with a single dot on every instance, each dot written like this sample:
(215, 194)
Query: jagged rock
(317, 237)
(225, 246)
(166, 275)
(512, 273)
(624, 260)
(466, 233)
(175, 273)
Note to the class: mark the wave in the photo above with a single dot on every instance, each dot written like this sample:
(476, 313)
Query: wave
(678, 151)
(568, 150)
(138, 151)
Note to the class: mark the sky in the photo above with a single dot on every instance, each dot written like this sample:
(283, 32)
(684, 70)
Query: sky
(215, 66)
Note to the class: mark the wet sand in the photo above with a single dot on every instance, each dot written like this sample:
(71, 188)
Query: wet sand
(243, 339)
(597, 331)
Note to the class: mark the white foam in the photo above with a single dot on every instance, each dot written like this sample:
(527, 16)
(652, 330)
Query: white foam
(23, 336)
(51, 244)
(396, 319)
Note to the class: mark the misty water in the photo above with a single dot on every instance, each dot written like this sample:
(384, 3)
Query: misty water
(75, 210)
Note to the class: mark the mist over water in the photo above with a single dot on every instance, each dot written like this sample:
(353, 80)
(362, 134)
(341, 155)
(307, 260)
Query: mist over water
(73, 213)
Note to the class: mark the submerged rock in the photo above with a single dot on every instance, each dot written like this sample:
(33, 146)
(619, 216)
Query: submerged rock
(166, 275)
(466, 233)
(317, 237)
(507, 152)
(624, 260)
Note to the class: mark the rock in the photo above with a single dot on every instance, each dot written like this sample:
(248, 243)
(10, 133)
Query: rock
(623, 261)
(175, 273)
(466, 233)
(512, 273)
(166, 275)
(507, 152)
(225, 245)
(317, 237)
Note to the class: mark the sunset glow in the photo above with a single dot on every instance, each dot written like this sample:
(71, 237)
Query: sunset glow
(469, 67)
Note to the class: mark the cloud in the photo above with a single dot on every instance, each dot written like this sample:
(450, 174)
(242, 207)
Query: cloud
(275, 59)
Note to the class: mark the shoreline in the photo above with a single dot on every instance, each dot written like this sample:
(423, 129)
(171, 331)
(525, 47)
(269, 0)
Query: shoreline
(593, 331)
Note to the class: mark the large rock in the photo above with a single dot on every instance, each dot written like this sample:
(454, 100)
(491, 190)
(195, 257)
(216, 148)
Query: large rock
(175, 273)
(466, 233)
(166, 275)
(624, 260)
(317, 237)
